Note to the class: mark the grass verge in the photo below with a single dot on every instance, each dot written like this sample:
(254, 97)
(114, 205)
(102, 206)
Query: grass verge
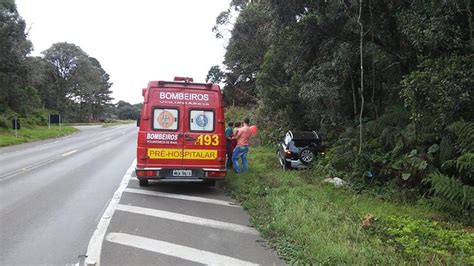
(7, 137)
(108, 123)
(316, 223)
(118, 122)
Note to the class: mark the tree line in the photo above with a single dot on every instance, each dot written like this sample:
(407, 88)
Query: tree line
(64, 80)
(388, 83)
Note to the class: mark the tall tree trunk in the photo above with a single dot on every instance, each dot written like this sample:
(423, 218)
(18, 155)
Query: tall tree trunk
(354, 99)
(90, 111)
(362, 100)
(469, 18)
(372, 98)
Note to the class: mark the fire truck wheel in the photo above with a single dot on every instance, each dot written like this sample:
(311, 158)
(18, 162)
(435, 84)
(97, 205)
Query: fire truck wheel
(210, 183)
(143, 182)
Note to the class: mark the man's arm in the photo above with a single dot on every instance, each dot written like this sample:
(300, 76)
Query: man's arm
(236, 135)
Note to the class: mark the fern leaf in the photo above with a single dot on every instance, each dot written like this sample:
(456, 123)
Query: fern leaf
(464, 132)
(453, 190)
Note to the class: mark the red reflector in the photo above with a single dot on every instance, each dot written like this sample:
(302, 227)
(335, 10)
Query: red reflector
(146, 173)
(216, 174)
(150, 173)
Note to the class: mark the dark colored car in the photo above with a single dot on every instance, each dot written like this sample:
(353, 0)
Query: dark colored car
(299, 148)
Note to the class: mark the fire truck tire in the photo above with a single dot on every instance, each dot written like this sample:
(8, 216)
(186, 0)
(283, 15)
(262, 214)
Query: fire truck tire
(210, 183)
(143, 182)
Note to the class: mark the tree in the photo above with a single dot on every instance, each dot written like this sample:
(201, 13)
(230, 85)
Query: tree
(126, 111)
(102, 94)
(65, 59)
(38, 78)
(215, 75)
(245, 52)
(91, 89)
(440, 88)
(14, 48)
(361, 90)
(81, 85)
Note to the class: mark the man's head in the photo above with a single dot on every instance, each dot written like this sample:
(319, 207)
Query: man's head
(231, 124)
(247, 121)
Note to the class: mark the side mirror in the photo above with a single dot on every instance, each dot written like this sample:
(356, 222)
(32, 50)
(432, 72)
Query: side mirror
(138, 121)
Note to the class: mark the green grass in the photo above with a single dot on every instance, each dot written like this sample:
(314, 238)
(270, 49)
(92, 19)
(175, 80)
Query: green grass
(7, 137)
(316, 223)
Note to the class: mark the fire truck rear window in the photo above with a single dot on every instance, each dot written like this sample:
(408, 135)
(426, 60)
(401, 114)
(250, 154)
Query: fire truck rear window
(201, 120)
(165, 119)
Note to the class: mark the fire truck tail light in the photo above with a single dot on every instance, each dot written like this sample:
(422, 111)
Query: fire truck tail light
(216, 174)
(147, 173)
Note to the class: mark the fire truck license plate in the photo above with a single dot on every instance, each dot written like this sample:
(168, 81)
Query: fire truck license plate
(182, 173)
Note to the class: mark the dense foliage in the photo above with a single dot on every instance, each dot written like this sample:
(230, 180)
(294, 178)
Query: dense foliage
(388, 83)
(127, 111)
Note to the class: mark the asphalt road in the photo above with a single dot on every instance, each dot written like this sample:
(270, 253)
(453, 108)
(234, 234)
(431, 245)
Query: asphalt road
(53, 193)
(73, 196)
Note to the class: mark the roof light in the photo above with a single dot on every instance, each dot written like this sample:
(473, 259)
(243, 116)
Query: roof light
(185, 79)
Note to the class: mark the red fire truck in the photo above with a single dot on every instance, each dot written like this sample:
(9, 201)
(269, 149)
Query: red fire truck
(181, 135)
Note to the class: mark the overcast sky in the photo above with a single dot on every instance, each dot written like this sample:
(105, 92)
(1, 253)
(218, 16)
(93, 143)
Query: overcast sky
(135, 41)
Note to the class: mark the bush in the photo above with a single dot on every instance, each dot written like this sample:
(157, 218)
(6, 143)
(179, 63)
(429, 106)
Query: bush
(4, 121)
(6, 118)
(423, 238)
(453, 183)
(395, 152)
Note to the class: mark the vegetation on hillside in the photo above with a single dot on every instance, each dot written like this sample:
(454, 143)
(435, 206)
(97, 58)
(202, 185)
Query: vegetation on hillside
(387, 83)
(309, 221)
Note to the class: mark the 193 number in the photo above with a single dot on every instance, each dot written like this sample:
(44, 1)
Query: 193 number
(207, 140)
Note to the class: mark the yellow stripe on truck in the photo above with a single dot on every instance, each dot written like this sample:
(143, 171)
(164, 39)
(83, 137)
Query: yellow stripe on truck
(182, 154)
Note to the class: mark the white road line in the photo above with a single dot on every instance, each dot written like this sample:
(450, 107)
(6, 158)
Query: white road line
(181, 197)
(68, 153)
(94, 248)
(188, 219)
(31, 167)
(183, 252)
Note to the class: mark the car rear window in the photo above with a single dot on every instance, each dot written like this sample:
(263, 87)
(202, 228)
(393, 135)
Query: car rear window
(303, 142)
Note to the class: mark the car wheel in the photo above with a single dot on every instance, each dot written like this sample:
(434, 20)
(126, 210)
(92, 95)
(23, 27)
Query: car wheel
(143, 182)
(306, 156)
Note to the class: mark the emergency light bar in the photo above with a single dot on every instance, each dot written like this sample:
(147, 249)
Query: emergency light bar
(161, 83)
(185, 79)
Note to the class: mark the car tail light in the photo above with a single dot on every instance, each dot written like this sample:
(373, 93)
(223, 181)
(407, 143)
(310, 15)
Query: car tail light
(147, 173)
(216, 174)
(287, 153)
